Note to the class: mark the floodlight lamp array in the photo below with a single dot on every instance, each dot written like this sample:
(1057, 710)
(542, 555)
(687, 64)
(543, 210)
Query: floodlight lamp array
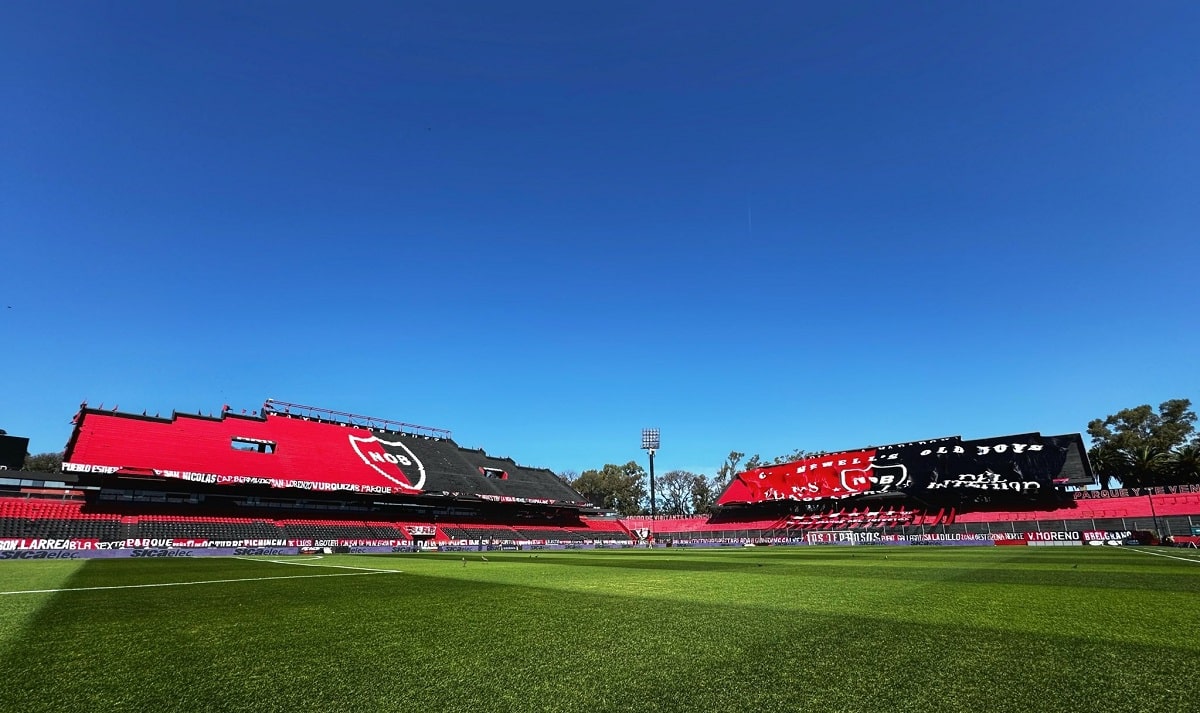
(650, 439)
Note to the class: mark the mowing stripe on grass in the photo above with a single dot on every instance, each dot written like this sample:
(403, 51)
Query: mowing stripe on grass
(206, 581)
(306, 564)
(1159, 554)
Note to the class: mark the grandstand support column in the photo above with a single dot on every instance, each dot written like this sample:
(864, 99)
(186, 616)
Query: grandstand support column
(650, 442)
(1153, 516)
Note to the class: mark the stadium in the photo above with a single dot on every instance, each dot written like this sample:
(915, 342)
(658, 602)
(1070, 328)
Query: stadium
(306, 558)
(293, 478)
(931, 266)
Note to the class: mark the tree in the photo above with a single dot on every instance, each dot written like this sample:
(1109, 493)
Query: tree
(704, 494)
(1107, 463)
(568, 476)
(1144, 467)
(798, 454)
(44, 463)
(728, 469)
(675, 492)
(616, 487)
(1132, 444)
(1184, 464)
(1140, 426)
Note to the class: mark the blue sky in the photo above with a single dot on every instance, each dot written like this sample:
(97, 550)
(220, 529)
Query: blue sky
(546, 226)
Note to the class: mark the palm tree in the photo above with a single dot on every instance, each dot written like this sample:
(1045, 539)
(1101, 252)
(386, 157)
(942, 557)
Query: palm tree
(1185, 464)
(1146, 466)
(1109, 464)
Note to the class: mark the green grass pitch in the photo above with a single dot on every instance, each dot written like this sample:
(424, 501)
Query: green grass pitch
(807, 629)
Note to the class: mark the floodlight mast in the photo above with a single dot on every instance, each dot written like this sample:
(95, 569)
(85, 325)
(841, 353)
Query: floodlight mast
(650, 443)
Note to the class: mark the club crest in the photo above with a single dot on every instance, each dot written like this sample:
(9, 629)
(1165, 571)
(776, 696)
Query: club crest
(378, 459)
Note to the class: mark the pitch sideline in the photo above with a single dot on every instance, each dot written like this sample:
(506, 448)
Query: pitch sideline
(306, 564)
(205, 581)
(1160, 554)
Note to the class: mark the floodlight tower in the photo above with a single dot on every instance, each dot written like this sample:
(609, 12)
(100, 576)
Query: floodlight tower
(650, 443)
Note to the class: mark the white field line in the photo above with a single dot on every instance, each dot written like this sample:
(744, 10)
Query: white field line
(1159, 554)
(306, 564)
(206, 581)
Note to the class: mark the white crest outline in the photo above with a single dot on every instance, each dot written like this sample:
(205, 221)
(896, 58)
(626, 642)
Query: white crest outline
(355, 440)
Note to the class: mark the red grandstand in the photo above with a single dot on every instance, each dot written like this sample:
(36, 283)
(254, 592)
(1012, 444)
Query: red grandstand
(305, 448)
(291, 478)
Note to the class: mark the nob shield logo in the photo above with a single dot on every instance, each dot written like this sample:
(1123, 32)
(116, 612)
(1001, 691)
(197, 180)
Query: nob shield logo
(396, 456)
(874, 478)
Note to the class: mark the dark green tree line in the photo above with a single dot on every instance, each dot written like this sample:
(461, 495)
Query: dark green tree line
(616, 487)
(43, 463)
(1143, 448)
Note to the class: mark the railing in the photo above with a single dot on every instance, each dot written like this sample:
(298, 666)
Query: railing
(284, 408)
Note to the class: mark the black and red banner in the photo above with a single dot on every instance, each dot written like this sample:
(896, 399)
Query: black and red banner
(1026, 465)
(293, 452)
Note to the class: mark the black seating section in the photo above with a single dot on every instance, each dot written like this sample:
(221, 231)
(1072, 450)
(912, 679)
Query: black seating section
(160, 527)
(475, 532)
(297, 529)
(521, 481)
(559, 534)
(76, 529)
(451, 468)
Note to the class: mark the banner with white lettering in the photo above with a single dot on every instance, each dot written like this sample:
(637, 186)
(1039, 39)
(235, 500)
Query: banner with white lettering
(1136, 492)
(1025, 466)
